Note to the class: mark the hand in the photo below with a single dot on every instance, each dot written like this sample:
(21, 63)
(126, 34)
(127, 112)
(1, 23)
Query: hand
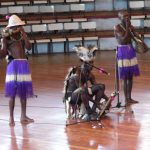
(21, 29)
(23, 32)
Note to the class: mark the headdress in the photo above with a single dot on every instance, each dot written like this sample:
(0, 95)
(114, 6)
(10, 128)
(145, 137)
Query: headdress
(86, 54)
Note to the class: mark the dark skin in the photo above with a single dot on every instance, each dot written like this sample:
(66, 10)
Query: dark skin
(124, 37)
(79, 85)
(96, 88)
(16, 45)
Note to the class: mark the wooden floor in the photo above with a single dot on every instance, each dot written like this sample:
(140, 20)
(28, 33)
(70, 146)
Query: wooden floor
(123, 129)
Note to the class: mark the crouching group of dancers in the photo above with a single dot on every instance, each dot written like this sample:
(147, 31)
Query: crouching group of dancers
(84, 98)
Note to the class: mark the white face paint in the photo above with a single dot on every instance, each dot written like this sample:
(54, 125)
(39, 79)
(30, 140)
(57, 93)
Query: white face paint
(86, 54)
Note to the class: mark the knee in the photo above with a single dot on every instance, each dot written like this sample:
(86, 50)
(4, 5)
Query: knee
(101, 87)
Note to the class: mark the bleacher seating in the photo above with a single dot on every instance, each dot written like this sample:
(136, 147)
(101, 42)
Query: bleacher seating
(68, 20)
(3, 11)
(88, 25)
(71, 1)
(28, 29)
(40, 1)
(57, 1)
(15, 10)
(39, 28)
(62, 8)
(30, 9)
(134, 4)
(71, 26)
(136, 22)
(87, 0)
(77, 7)
(46, 9)
(79, 19)
(23, 2)
(7, 3)
(55, 27)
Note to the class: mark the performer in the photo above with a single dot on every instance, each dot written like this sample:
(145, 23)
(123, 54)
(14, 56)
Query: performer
(126, 55)
(18, 78)
(77, 88)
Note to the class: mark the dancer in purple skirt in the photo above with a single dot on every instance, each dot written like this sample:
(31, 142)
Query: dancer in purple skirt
(126, 55)
(18, 77)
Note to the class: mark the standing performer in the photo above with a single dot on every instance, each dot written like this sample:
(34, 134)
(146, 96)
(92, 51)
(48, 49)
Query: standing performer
(126, 55)
(18, 78)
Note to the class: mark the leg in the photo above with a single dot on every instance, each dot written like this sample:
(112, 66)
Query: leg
(98, 91)
(24, 119)
(68, 109)
(125, 90)
(129, 88)
(85, 99)
(11, 109)
(129, 91)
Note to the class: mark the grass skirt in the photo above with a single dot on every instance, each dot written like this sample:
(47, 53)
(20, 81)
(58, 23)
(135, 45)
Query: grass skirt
(18, 79)
(127, 62)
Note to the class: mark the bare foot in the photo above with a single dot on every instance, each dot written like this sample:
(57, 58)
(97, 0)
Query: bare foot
(131, 101)
(11, 123)
(26, 120)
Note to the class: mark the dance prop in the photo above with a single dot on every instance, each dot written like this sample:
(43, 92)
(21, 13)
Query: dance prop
(101, 70)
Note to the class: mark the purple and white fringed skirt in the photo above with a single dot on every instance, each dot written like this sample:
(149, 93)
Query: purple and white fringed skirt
(18, 79)
(127, 62)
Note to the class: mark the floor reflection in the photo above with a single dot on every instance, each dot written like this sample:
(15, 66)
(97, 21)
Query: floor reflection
(13, 143)
(21, 141)
(127, 118)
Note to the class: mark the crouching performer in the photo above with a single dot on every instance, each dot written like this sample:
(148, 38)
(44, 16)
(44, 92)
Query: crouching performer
(81, 87)
(18, 78)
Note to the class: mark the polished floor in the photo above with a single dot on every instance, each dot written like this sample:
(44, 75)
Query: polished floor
(123, 128)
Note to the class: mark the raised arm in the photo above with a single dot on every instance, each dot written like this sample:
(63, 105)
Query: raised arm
(121, 33)
(27, 43)
(136, 34)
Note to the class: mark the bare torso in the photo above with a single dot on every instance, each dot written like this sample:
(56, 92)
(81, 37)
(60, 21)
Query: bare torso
(16, 47)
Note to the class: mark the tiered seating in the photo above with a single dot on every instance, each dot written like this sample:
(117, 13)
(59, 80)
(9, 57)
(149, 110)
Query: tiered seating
(62, 8)
(69, 21)
(77, 7)
(23, 2)
(40, 1)
(88, 25)
(7, 3)
(71, 1)
(39, 28)
(71, 26)
(15, 9)
(31, 9)
(57, 1)
(26, 9)
(46, 9)
(136, 4)
(55, 27)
